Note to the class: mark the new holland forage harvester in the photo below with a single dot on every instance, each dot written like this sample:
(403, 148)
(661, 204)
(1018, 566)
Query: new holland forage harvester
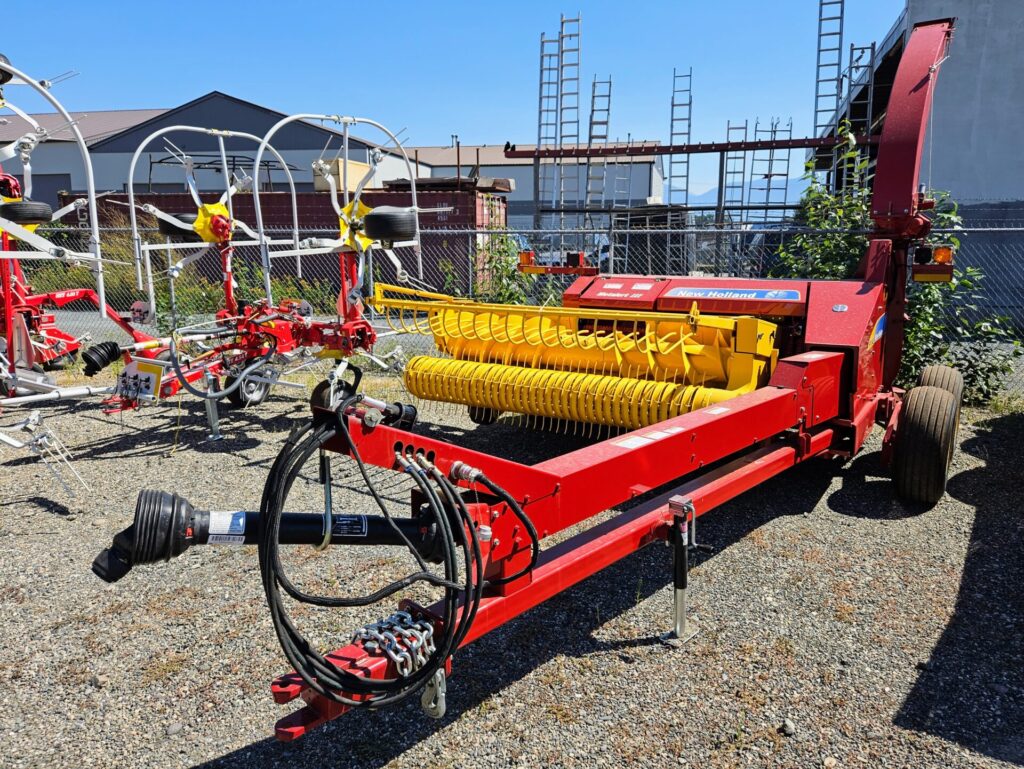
(727, 382)
(238, 355)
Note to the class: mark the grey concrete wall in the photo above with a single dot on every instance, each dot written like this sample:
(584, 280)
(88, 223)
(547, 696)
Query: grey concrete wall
(979, 101)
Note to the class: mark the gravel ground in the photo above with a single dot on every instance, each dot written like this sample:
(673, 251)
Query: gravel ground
(837, 628)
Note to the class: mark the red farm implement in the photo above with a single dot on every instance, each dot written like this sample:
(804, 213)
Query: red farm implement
(717, 383)
(31, 339)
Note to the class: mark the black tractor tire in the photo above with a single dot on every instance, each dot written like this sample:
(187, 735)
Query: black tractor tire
(925, 441)
(176, 233)
(26, 212)
(249, 393)
(390, 223)
(481, 415)
(945, 378)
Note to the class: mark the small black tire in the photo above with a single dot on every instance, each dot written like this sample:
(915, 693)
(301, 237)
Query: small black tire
(249, 393)
(176, 233)
(390, 223)
(482, 415)
(925, 441)
(945, 378)
(5, 76)
(26, 212)
(321, 395)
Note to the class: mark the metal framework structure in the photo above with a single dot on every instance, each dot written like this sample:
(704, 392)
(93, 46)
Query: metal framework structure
(834, 352)
(30, 338)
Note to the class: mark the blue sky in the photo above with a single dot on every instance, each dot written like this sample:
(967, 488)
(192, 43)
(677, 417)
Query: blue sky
(438, 68)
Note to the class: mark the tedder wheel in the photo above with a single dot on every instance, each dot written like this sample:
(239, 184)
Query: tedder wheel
(5, 76)
(481, 415)
(924, 444)
(390, 223)
(176, 233)
(250, 393)
(321, 395)
(26, 212)
(945, 378)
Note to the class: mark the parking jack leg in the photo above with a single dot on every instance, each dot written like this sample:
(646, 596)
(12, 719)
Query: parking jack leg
(683, 628)
(212, 415)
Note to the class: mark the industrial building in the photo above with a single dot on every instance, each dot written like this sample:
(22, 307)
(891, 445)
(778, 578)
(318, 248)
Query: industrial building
(113, 137)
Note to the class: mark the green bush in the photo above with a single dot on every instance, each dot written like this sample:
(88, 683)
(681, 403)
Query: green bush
(498, 277)
(839, 220)
(944, 325)
(943, 329)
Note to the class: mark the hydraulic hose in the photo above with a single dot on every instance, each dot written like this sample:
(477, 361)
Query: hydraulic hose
(239, 380)
(455, 538)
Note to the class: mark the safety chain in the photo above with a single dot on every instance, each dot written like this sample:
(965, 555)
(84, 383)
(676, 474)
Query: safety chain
(407, 642)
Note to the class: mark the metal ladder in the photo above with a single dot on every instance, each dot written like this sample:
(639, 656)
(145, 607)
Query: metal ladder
(545, 174)
(769, 171)
(829, 69)
(860, 97)
(735, 194)
(678, 182)
(569, 44)
(597, 135)
(735, 168)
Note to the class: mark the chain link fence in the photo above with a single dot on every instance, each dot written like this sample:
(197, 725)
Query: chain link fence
(481, 265)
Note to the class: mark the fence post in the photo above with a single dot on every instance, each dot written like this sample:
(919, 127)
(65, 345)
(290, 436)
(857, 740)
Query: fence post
(611, 246)
(471, 264)
(369, 269)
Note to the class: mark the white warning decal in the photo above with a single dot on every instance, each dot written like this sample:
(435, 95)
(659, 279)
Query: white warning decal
(227, 522)
(349, 526)
(225, 539)
(633, 442)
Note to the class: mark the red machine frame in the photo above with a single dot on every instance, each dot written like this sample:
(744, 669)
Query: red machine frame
(16, 298)
(823, 399)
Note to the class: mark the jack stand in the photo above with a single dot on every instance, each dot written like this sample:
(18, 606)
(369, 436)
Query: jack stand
(212, 415)
(682, 537)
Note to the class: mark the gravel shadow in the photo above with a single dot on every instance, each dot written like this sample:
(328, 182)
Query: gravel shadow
(564, 625)
(971, 690)
(173, 428)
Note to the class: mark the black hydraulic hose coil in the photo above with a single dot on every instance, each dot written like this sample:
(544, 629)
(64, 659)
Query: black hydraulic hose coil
(452, 524)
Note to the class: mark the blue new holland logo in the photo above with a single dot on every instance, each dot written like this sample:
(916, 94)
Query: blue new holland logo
(777, 294)
(879, 329)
